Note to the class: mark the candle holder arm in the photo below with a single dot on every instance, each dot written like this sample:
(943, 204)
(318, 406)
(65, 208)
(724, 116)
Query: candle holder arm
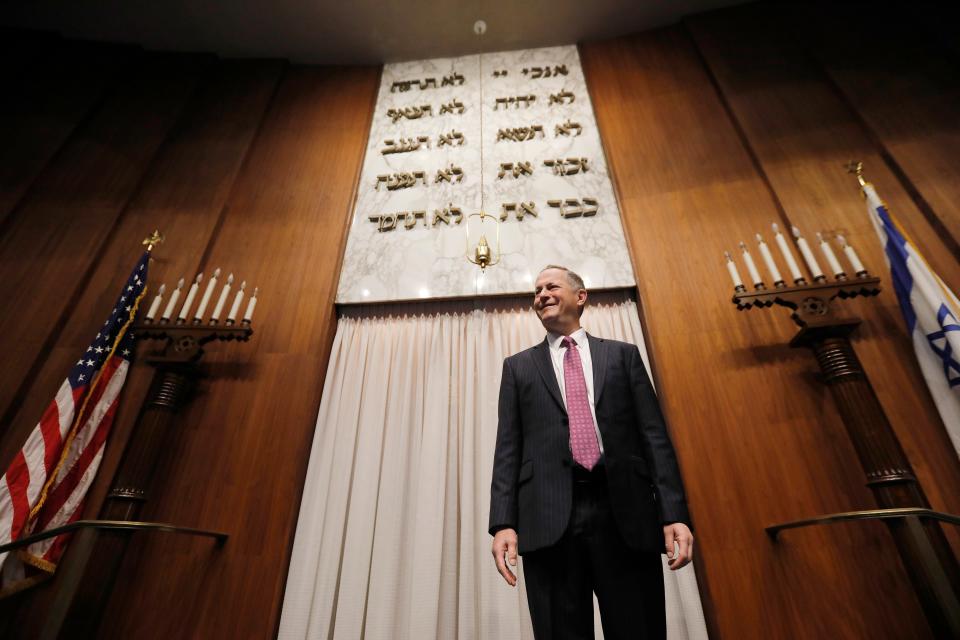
(810, 303)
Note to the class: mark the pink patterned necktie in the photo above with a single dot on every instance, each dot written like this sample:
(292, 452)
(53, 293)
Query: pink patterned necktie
(583, 436)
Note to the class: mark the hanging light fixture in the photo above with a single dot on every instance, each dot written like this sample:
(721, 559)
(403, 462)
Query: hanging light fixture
(482, 254)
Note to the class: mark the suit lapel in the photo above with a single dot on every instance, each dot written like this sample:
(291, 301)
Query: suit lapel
(598, 356)
(541, 357)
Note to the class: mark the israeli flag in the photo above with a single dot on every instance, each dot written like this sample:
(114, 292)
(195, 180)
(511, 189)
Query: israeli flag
(931, 311)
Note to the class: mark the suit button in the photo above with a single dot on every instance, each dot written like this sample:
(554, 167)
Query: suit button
(566, 462)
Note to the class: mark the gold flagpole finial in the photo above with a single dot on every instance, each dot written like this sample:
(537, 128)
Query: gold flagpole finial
(855, 166)
(153, 239)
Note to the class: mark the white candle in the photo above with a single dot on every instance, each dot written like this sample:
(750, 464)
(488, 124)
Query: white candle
(831, 257)
(235, 308)
(734, 274)
(248, 314)
(808, 256)
(155, 305)
(217, 310)
(751, 266)
(852, 256)
(205, 300)
(191, 294)
(173, 301)
(768, 259)
(787, 255)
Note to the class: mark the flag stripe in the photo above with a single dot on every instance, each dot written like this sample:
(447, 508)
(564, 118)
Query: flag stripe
(6, 517)
(24, 478)
(17, 482)
(58, 414)
(67, 400)
(896, 251)
(34, 455)
(86, 447)
(70, 510)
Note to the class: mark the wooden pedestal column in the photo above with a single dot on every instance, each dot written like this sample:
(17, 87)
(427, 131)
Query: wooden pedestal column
(924, 549)
(95, 557)
(125, 500)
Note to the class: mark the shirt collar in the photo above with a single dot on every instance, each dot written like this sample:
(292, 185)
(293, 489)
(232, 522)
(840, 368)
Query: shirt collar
(555, 339)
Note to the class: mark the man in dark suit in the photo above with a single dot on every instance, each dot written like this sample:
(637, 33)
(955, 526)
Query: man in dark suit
(585, 485)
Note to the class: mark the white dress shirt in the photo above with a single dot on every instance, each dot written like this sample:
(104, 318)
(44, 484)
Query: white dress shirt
(557, 352)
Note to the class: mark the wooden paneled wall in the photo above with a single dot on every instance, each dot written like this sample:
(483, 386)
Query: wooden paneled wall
(246, 165)
(713, 128)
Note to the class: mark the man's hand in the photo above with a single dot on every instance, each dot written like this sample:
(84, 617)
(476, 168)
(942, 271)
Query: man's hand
(678, 533)
(504, 550)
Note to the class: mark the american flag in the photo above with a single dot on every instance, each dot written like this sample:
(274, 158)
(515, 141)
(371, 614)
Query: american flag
(46, 483)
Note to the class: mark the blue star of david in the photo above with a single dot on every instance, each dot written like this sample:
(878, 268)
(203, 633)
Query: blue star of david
(951, 368)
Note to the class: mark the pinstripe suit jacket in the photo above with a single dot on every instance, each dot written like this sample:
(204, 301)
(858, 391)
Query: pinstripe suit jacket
(531, 489)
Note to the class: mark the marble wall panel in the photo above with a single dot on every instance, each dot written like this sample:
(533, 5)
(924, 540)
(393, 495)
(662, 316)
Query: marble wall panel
(456, 136)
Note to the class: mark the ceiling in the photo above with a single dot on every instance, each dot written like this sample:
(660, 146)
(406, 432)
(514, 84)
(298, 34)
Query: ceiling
(352, 32)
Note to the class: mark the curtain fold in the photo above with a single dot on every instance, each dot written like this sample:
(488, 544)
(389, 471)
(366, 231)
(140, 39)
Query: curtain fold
(391, 541)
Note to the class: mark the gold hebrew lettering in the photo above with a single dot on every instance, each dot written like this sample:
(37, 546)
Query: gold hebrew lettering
(567, 127)
(571, 208)
(527, 208)
(594, 207)
(387, 222)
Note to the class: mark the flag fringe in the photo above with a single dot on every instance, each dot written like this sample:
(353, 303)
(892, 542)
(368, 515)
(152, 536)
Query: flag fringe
(36, 561)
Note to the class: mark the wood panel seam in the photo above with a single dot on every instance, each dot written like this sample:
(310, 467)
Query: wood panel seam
(738, 128)
(615, 183)
(222, 214)
(925, 208)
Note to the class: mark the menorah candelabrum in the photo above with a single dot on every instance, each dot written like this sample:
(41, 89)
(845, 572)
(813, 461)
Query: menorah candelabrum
(903, 506)
(98, 552)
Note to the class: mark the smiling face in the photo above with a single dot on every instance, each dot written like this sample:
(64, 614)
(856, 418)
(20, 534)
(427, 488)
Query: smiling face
(558, 302)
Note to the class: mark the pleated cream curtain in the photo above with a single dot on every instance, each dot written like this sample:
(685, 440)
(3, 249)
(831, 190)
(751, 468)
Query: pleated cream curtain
(391, 541)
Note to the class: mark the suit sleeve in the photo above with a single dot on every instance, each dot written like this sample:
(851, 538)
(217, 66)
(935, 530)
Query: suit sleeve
(506, 457)
(659, 450)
